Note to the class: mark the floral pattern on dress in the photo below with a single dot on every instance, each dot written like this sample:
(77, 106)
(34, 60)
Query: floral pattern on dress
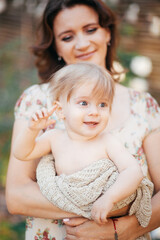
(18, 103)
(43, 235)
(29, 222)
(59, 222)
(152, 105)
(32, 99)
(140, 156)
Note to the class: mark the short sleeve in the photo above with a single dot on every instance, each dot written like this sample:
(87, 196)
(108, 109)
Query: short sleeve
(152, 112)
(33, 98)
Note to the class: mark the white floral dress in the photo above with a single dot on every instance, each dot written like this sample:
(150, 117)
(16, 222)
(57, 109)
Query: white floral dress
(144, 118)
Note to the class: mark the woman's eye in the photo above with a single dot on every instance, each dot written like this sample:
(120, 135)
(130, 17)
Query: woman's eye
(91, 30)
(67, 38)
(103, 104)
(83, 103)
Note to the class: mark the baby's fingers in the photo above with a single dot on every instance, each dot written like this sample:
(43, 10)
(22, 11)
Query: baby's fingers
(103, 217)
(44, 113)
(99, 215)
(39, 114)
(34, 117)
(96, 216)
(50, 122)
(51, 110)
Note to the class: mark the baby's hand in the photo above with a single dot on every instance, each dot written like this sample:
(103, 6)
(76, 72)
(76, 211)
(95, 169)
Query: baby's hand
(39, 120)
(101, 209)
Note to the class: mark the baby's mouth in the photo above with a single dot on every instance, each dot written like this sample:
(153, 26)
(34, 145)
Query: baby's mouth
(91, 123)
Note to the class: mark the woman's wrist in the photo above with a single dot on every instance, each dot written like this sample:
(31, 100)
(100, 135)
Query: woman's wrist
(114, 220)
(127, 228)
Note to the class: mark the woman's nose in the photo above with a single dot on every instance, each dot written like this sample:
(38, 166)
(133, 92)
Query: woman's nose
(82, 43)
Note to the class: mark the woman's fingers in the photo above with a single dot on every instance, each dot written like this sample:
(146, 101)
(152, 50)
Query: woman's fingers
(78, 233)
(74, 221)
(73, 234)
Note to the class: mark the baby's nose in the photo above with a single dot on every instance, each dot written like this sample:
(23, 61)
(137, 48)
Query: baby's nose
(93, 110)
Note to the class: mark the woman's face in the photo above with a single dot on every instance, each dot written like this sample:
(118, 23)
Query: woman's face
(79, 37)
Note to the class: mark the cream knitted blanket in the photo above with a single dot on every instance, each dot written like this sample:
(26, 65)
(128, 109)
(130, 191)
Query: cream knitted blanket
(77, 192)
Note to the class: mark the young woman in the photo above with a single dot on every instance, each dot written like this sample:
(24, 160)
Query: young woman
(73, 31)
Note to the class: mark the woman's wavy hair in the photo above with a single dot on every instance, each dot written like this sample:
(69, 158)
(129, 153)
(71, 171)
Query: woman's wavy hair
(45, 49)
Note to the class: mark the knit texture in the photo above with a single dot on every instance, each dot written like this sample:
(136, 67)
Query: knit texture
(77, 192)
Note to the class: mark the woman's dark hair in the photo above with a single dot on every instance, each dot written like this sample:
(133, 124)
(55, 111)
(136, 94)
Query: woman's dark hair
(45, 50)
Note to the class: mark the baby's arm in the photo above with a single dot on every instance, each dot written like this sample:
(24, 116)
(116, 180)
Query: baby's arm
(130, 176)
(26, 146)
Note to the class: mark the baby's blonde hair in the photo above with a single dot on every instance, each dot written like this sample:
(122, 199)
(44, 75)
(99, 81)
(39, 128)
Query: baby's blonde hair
(72, 76)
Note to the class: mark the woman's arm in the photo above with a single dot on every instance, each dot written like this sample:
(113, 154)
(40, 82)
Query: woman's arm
(127, 226)
(22, 192)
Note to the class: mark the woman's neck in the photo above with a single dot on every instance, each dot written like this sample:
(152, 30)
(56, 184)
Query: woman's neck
(120, 107)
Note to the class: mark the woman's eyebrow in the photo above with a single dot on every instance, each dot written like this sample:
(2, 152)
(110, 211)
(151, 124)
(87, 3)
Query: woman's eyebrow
(68, 31)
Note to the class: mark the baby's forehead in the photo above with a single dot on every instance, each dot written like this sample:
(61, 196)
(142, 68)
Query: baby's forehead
(89, 91)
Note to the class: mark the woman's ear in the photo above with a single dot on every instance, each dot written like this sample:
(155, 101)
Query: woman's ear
(108, 35)
(59, 110)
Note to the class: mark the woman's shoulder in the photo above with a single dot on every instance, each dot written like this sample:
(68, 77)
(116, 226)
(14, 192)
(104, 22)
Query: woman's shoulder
(138, 95)
(144, 99)
(146, 107)
(34, 97)
(37, 89)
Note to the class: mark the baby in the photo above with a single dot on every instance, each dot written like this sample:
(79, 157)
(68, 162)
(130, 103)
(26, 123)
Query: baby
(92, 174)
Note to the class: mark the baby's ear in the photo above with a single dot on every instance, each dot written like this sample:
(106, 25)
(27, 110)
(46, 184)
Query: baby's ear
(59, 110)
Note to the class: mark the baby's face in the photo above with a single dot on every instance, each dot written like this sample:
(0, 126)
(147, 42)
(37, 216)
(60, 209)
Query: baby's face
(85, 115)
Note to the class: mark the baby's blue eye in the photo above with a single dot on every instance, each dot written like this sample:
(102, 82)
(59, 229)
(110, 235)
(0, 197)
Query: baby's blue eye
(103, 104)
(83, 103)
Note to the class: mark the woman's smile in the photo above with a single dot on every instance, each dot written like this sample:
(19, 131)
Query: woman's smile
(86, 56)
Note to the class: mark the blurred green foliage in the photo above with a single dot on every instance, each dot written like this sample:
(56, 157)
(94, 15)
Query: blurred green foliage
(125, 59)
(9, 231)
(14, 79)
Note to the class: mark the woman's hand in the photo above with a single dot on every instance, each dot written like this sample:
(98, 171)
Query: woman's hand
(76, 221)
(88, 230)
(126, 228)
